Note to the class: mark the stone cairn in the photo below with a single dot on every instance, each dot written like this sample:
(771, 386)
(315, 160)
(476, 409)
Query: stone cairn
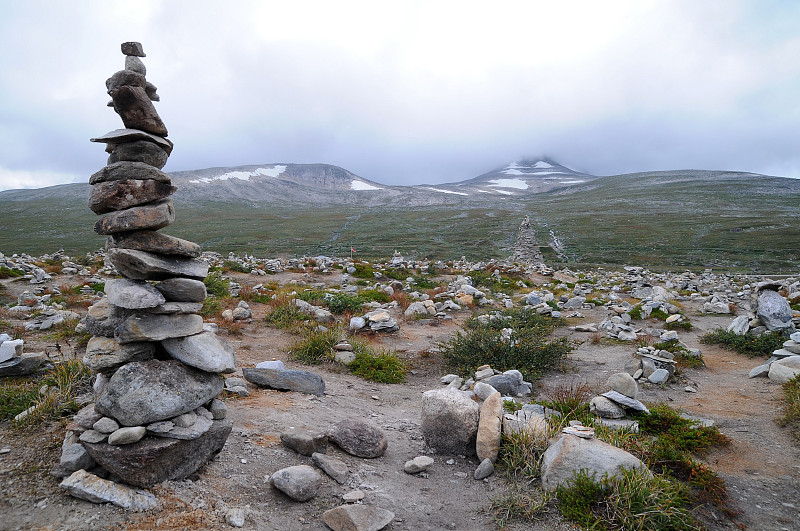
(156, 416)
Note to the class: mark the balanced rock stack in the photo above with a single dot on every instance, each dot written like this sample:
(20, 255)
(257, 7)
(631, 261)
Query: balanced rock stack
(158, 369)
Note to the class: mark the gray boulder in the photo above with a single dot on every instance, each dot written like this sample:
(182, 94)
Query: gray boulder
(156, 459)
(358, 438)
(205, 351)
(740, 325)
(570, 454)
(300, 482)
(140, 393)
(152, 216)
(783, 370)
(622, 382)
(357, 518)
(335, 468)
(103, 318)
(450, 421)
(27, 363)
(139, 151)
(505, 384)
(153, 242)
(304, 442)
(605, 408)
(300, 381)
(774, 311)
(111, 196)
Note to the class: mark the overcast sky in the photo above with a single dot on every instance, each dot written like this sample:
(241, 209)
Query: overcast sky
(409, 92)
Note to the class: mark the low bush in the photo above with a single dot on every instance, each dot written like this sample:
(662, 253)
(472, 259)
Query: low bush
(233, 265)
(791, 407)
(382, 366)
(316, 346)
(282, 313)
(6, 272)
(216, 285)
(754, 346)
(373, 295)
(363, 271)
(632, 499)
(525, 348)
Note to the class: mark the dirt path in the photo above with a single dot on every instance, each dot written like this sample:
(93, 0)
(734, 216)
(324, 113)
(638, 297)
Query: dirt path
(761, 467)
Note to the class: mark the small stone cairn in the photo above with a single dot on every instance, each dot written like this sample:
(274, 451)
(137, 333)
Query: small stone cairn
(158, 368)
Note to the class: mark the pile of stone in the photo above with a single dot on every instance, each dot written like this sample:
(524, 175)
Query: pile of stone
(377, 321)
(15, 362)
(612, 406)
(784, 364)
(156, 416)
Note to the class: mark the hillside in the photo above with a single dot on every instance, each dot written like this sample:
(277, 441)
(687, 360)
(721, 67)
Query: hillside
(682, 218)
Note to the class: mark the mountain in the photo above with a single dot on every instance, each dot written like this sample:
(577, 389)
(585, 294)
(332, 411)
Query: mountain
(679, 219)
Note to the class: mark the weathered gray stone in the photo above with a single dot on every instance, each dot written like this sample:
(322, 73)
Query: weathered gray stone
(626, 401)
(122, 171)
(487, 444)
(111, 196)
(27, 363)
(421, 463)
(132, 48)
(740, 325)
(120, 136)
(300, 482)
(763, 369)
(506, 385)
(792, 346)
(783, 370)
(144, 392)
(105, 355)
(182, 289)
(300, 381)
(132, 294)
(156, 459)
(622, 382)
(176, 307)
(141, 265)
(126, 435)
(153, 242)
(11, 348)
(525, 420)
(305, 442)
(73, 457)
(103, 318)
(155, 215)
(357, 517)
(359, 438)
(93, 436)
(335, 468)
(139, 151)
(450, 421)
(774, 311)
(86, 486)
(659, 376)
(132, 104)
(189, 431)
(205, 351)
(218, 409)
(484, 470)
(155, 327)
(570, 454)
(605, 408)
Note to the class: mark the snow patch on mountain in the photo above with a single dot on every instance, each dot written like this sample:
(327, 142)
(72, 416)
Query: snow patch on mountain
(542, 164)
(571, 182)
(361, 185)
(273, 171)
(509, 183)
(444, 191)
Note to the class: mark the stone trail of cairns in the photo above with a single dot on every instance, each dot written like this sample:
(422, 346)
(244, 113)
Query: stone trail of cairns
(156, 416)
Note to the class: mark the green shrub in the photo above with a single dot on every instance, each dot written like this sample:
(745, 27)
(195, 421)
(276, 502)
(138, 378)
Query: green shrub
(383, 366)
(216, 285)
(679, 325)
(233, 265)
(791, 406)
(16, 396)
(631, 499)
(748, 344)
(343, 302)
(211, 307)
(6, 272)
(316, 346)
(363, 271)
(527, 350)
(373, 295)
(284, 314)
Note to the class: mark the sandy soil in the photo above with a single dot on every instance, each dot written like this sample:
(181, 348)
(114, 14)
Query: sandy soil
(761, 467)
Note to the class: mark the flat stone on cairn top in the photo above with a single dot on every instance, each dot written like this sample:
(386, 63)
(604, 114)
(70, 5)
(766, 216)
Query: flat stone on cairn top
(133, 48)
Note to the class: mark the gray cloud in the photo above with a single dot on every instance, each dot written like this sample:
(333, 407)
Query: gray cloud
(414, 92)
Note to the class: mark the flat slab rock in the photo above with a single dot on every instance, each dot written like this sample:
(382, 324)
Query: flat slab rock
(158, 327)
(155, 459)
(625, 401)
(300, 381)
(119, 136)
(153, 216)
(153, 242)
(141, 265)
(81, 484)
(141, 393)
(205, 351)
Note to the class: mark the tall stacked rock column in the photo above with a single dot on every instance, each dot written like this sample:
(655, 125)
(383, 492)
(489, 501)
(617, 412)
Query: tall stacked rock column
(158, 369)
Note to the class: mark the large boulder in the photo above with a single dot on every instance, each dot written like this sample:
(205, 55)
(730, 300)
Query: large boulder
(571, 454)
(774, 311)
(205, 351)
(783, 370)
(156, 459)
(450, 421)
(140, 393)
(300, 482)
